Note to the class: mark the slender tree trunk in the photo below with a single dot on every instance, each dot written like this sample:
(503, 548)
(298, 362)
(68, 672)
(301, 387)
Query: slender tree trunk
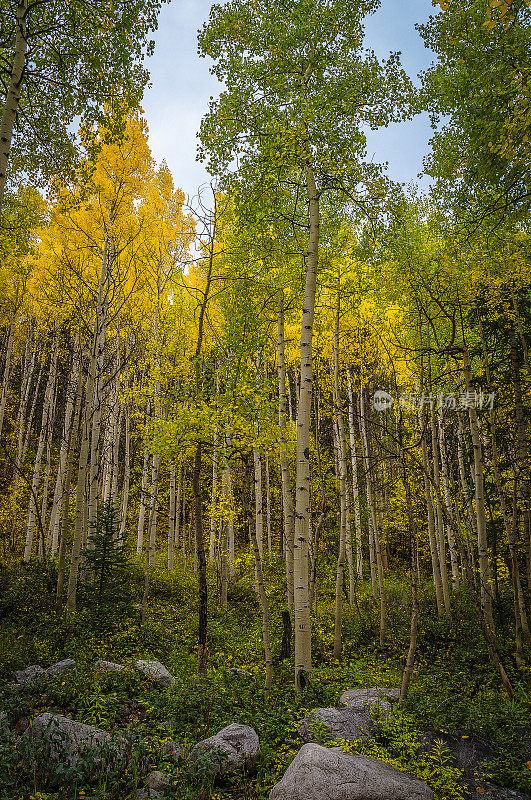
(127, 474)
(72, 392)
(201, 564)
(301, 582)
(340, 568)
(171, 515)
(12, 103)
(153, 509)
(47, 412)
(439, 524)
(73, 435)
(355, 488)
(7, 373)
(143, 488)
(370, 503)
(454, 560)
(434, 550)
(485, 574)
(177, 526)
(372, 510)
(268, 507)
(342, 481)
(413, 555)
(260, 586)
(214, 492)
(465, 489)
(287, 497)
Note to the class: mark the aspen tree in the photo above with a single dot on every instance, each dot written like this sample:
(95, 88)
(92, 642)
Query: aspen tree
(288, 65)
(65, 79)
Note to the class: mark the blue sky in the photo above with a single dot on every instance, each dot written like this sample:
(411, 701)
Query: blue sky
(181, 86)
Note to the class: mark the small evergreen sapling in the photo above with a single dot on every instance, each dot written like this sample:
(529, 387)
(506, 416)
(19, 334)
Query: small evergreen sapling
(105, 555)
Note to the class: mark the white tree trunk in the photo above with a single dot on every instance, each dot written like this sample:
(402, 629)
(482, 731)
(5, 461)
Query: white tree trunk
(301, 577)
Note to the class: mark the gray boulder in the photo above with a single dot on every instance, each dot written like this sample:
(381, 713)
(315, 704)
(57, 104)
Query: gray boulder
(354, 696)
(156, 784)
(108, 666)
(320, 773)
(232, 748)
(493, 792)
(348, 724)
(157, 672)
(28, 674)
(65, 741)
(363, 700)
(60, 667)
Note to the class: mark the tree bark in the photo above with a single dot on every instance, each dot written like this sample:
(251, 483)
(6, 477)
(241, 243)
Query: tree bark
(301, 583)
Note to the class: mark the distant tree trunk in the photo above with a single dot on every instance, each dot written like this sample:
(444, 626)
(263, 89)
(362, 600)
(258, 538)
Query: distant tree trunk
(268, 507)
(7, 372)
(486, 587)
(439, 524)
(143, 488)
(201, 564)
(257, 458)
(340, 567)
(153, 509)
(177, 526)
(465, 489)
(370, 502)
(214, 492)
(434, 550)
(24, 425)
(287, 497)
(355, 488)
(73, 435)
(43, 545)
(227, 526)
(342, 480)
(72, 392)
(171, 515)
(45, 432)
(127, 473)
(413, 571)
(261, 590)
(454, 560)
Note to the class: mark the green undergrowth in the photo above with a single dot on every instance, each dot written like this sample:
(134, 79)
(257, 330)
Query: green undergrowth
(454, 688)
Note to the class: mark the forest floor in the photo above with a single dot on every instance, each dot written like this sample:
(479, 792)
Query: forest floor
(457, 712)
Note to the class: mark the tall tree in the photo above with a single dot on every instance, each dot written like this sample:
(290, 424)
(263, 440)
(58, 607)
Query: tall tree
(63, 59)
(299, 88)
